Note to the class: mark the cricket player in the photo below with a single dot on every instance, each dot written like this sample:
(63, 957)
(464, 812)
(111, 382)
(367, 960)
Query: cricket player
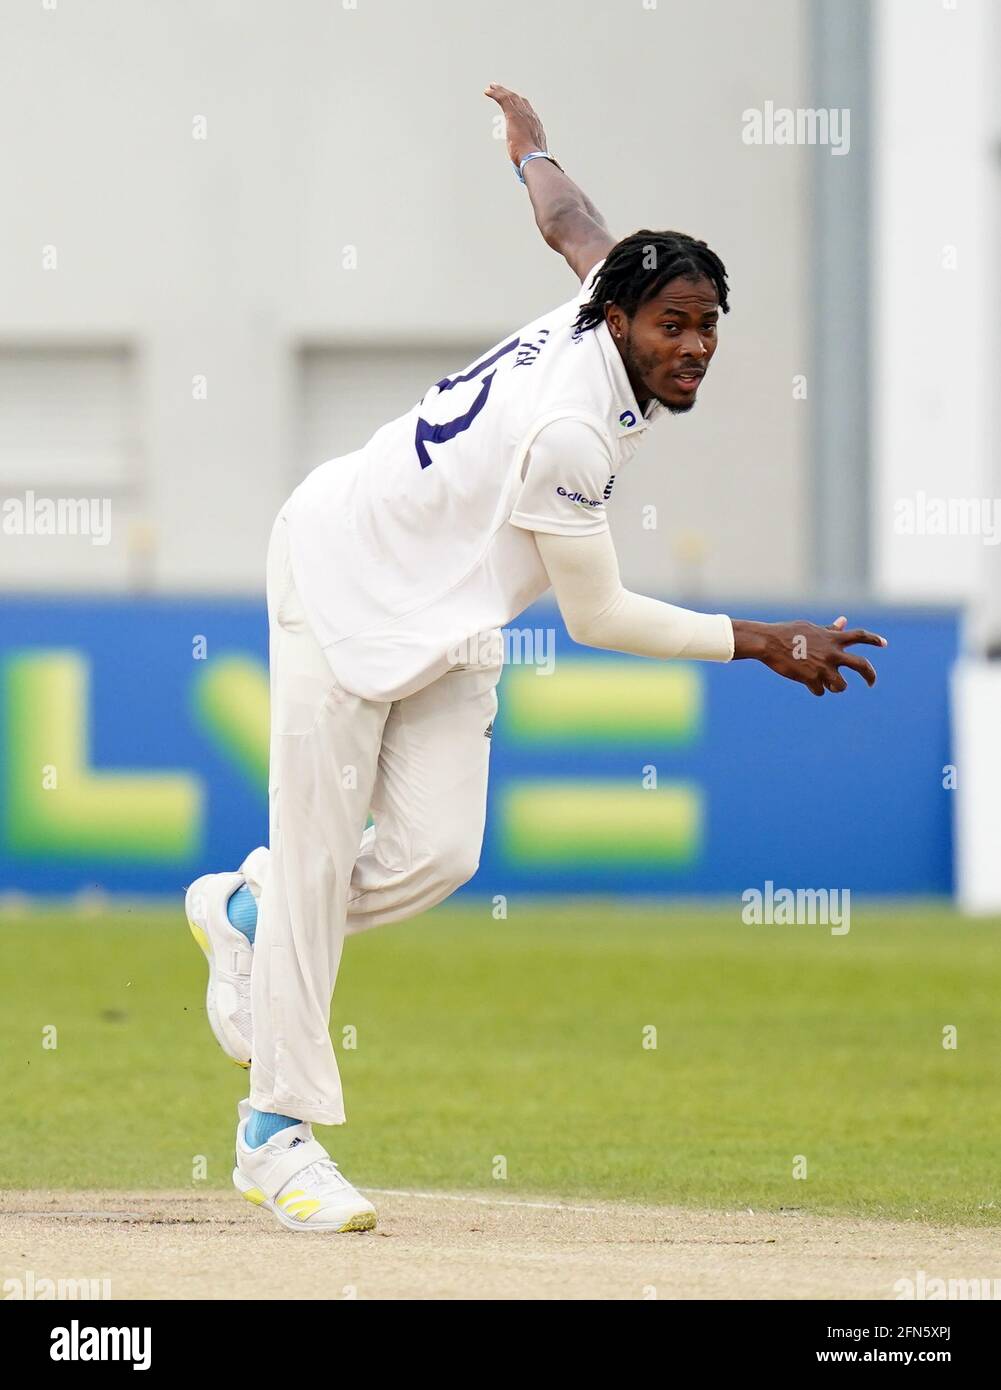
(389, 574)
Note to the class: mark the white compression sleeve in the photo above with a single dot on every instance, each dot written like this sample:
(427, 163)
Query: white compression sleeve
(599, 612)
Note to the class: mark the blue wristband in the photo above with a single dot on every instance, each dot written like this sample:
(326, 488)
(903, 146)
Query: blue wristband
(536, 154)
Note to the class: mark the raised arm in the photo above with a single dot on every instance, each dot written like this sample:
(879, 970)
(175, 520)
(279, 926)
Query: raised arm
(566, 217)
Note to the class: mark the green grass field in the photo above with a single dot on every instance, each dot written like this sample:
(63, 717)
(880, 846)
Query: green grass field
(524, 1038)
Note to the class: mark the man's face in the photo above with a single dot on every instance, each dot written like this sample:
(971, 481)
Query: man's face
(669, 342)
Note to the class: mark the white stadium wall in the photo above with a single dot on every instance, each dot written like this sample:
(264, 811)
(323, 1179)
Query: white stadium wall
(936, 529)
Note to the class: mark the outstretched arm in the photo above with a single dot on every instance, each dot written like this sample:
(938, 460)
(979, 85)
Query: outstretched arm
(561, 501)
(566, 217)
(599, 612)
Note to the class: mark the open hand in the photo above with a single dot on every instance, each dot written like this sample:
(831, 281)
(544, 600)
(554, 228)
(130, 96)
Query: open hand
(807, 653)
(524, 128)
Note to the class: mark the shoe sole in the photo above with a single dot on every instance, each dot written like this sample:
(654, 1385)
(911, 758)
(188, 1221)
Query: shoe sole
(361, 1221)
(202, 938)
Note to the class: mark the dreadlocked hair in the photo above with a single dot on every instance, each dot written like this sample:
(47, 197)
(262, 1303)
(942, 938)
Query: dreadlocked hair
(639, 266)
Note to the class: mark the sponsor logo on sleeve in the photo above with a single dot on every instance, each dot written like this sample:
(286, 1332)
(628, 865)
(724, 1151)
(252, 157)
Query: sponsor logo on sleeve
(579, 498)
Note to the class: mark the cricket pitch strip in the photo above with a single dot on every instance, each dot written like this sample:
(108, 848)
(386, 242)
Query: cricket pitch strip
(210, 1244)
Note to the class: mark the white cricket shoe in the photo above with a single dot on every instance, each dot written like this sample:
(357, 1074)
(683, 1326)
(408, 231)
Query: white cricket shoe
(229, 954)
(294, 1176)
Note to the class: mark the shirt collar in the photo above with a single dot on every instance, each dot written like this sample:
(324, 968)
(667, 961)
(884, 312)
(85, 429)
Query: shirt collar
(628, 418)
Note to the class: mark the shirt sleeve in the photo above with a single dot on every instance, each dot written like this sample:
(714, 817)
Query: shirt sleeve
(566, 481)
(587, 284)
(599, 612)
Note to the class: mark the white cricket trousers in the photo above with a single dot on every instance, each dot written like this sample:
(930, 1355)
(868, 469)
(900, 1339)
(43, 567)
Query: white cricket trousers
(419, 765)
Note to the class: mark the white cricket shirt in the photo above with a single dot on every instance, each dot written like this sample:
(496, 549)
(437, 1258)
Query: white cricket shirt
(423, 538)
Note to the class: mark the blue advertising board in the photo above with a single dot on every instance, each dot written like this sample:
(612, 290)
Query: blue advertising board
(133, 756)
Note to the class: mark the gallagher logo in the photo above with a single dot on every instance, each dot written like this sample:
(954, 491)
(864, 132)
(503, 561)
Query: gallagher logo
(578, 497)
(627, 419)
